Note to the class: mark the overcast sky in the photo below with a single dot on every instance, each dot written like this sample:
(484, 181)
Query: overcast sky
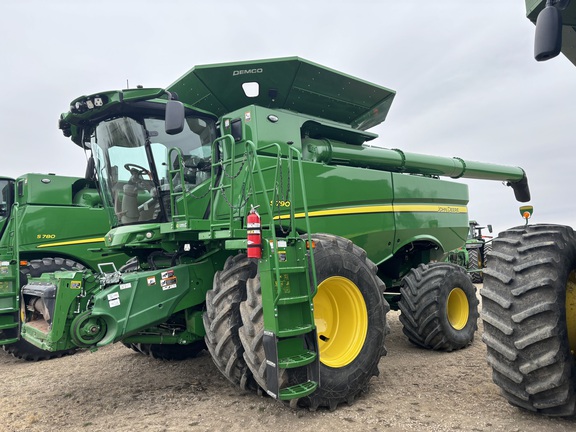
(466, 81)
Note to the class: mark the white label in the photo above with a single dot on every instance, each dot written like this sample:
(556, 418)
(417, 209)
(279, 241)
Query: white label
(113, 296)
(114, 303)
(125, 285)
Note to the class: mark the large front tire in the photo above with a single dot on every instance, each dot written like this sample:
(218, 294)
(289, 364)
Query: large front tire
(438, 307)
(23, 349)
(350, 316)
(222, 320)
(529, 315)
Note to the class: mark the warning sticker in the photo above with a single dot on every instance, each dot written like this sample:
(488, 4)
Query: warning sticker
(75, 284)
(114, 303)
(167, 274)
(151, 280)
(168, 283)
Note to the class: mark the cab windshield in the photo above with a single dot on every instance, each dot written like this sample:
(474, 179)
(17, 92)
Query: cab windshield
(133, 164)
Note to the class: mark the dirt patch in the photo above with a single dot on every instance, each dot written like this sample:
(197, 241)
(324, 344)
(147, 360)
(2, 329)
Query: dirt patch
(117, 389)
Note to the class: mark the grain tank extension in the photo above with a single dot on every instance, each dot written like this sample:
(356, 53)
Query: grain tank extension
(273, 153)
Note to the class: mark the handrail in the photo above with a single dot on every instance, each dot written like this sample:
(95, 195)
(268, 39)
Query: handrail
(298, 156)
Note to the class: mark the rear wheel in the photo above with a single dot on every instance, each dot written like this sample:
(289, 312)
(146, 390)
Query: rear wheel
(350, 316)
(24, 349)
(222, 319)
(438, 307)
(529, 314)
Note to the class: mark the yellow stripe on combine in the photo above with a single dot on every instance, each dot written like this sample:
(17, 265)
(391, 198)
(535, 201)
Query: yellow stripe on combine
(401, 208)
(73, 242)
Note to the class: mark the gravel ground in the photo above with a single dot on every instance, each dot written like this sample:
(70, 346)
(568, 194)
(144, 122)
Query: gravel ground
(117, 389)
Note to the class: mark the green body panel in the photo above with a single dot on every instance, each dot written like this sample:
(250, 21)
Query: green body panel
(534, 7)
(59, 216)
(379, 210)
(149, 298)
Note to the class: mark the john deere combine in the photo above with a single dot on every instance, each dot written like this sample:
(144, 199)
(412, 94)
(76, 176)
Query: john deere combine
(473, 256)
(47, 223)
(262, 222)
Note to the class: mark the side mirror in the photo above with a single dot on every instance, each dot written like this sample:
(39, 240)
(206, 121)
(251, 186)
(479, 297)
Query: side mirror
(548, 37)
(489, 228)
(174, 118)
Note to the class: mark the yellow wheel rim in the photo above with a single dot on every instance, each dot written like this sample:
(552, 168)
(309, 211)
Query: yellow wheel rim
(457, 308)
(341, 321)
(571, 311)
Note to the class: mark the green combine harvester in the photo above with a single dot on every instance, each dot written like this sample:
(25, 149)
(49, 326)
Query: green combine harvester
(529, 294)
(473, 255)
(47, 223)
(263, 223)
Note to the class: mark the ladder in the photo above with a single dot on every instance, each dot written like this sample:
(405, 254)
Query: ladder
(9, 285)
(288, 278)
(290, 339)
(288, 283)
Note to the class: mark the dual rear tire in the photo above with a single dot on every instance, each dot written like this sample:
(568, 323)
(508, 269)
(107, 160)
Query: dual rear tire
(350, 315)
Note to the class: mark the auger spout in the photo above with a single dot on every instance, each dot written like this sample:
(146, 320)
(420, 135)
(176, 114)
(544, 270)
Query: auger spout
(339, 153)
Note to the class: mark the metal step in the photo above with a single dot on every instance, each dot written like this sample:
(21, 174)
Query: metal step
(297, 360)
(295, 331)
(293, 300)
(298, 390)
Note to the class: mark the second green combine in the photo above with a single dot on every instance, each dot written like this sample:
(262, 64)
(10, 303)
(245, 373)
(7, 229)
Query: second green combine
(47, 223)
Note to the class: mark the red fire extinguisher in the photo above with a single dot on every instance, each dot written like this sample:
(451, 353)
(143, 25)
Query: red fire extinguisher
(254, 234)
